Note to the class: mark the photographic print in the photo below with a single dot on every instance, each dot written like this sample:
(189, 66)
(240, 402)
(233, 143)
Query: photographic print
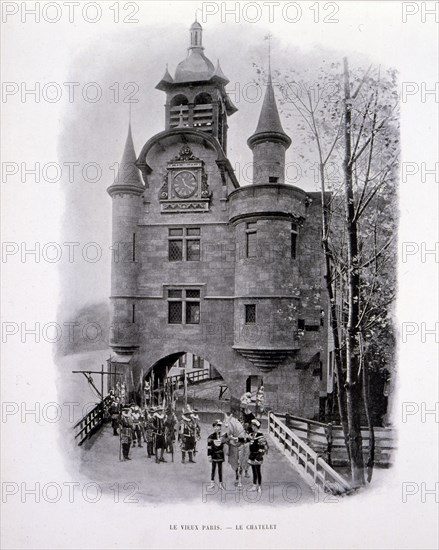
(220, 271)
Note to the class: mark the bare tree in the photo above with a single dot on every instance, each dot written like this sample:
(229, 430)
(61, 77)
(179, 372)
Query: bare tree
(349, 121)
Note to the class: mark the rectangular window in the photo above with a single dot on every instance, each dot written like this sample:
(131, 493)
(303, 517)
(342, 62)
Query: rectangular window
(250, 314)
(184, 244)
(175, 311)
(273, 179)
(175, 251)
(184, 306)
(312, 328)
(301, 324)
(192, 313)
(193, 250)
(294, 234)
(198, 362)
(133, 319)
(251, 245)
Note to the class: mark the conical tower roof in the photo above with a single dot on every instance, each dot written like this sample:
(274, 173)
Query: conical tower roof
(269, 125)
(128, 177)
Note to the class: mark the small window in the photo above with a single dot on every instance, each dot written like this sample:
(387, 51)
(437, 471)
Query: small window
(193, 313)
(175, 251)
(184, 244)
(251, 240)
(273, 179)
(294, 235)
(198, 362)
(175, 293)
(193, 250)
(184, 306)
(134, 247)
(175, 312)
(250, 314)
(301, 324)
(179, 99)
(312, 328)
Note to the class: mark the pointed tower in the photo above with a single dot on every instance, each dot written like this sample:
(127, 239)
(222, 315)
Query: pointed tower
(196, 96)
(128, 178)
(125, 193)
(269, 142)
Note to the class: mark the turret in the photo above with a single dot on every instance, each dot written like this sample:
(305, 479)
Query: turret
(125, 193)
(269, 142)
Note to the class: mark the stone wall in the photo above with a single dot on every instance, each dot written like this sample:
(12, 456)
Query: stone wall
(285, 289)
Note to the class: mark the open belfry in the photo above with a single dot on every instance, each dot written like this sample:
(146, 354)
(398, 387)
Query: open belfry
(233, 274)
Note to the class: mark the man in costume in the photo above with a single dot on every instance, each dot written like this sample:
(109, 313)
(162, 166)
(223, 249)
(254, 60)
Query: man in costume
(149, 431)
(114, 414)
(247, 416)
(126, 432)
(260, 400)
(171, 422)
(137, 426)
(215, 452)
(187, 437)
(159, 434)
(258, 448)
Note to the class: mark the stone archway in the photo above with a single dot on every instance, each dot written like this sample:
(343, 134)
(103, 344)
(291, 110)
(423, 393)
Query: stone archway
(204, 384)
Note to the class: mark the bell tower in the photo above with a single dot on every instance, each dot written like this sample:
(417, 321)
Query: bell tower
(196, 97)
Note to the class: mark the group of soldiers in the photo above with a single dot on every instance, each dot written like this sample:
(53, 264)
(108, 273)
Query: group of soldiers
(156, 426)
(239, 436)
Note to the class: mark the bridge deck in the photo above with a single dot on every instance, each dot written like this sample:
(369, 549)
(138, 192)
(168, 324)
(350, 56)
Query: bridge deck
(177, 482)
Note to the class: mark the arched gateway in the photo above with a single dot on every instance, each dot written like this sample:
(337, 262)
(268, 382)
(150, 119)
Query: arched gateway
(232, 274)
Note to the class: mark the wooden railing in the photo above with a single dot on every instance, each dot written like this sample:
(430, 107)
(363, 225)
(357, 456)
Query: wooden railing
(192, 376)
(307, 462)
(91, 422)
(329, 440)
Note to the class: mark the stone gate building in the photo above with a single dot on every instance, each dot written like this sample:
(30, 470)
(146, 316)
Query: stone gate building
(202, 265)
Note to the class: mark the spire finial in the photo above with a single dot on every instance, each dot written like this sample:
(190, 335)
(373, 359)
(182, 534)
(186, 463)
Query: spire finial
(269, 37)
(196, 34)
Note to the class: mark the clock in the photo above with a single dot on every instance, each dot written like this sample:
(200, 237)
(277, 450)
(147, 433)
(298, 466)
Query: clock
(184, 184)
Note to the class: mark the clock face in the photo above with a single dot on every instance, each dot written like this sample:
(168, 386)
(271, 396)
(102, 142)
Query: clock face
(185, 184)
